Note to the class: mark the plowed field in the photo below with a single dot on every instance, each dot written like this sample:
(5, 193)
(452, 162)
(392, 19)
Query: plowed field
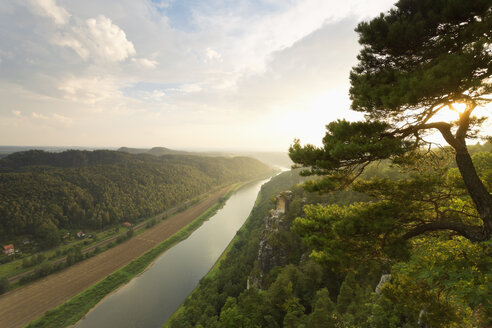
(20, 306)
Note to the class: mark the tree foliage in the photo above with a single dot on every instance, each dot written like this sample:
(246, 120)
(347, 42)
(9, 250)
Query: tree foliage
(422, 55)
(443, 273)
(4, 285)
(41, 193)
(417, 60)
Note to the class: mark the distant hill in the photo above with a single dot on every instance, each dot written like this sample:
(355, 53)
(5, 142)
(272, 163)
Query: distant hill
(7, 150)
(156, 151)
(280, 159)
(159, 151)
(67, 159)
(132, 150)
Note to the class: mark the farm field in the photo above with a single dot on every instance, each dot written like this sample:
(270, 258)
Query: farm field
(20, 306)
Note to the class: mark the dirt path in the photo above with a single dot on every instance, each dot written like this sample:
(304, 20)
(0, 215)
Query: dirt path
(20, 306)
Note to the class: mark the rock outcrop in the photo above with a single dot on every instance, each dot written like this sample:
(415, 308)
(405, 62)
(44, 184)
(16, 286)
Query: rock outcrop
(385, 278)
(270, 254)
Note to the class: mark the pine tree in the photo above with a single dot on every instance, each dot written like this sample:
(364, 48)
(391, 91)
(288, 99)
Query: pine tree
(419, 59)
(347, 293)
(323, 315)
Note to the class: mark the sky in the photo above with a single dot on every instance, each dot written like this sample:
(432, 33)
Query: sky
(183, 74)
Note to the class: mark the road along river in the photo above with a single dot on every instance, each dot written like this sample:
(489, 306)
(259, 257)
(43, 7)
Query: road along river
(150, 299)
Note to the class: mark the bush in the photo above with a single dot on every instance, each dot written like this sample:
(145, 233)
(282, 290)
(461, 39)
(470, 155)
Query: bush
(40, 258)
(151, 223)
(5, 259)
(26, 263)
(59, 266)
(24, 280)
(44, 270)
(4, 285)
(74, 255)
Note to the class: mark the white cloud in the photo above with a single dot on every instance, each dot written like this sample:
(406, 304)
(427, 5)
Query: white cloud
(248, 41)
(51, 118)
(49, 8)
(153, 96)
(145, 63)
(162, 4)
(213, 55)
(39, 116)
(7, 55)
(187, 88)
(62, 119)
(72, 42)
(98, 38)
(89, 90)
(157, 95)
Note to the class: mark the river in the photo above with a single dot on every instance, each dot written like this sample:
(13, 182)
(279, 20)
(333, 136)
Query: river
(148, 300)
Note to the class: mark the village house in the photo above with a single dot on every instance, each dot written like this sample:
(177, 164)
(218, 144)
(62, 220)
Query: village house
(127, 224)
(8, 249)
(80, 234)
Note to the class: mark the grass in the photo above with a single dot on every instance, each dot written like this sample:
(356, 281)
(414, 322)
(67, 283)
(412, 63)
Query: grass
(74, 309)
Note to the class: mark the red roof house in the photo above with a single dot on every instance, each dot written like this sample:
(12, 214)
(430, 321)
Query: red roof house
(127, 224)
(8, 249)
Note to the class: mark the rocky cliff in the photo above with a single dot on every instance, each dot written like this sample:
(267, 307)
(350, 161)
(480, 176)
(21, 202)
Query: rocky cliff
(272, 250)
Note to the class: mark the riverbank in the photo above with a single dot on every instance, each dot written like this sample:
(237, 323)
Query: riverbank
(149, 299)
(215, 268)
(229, 276)
(19, 307)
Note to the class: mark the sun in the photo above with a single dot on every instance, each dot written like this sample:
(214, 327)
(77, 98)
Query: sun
(450, 113)
(457, 107)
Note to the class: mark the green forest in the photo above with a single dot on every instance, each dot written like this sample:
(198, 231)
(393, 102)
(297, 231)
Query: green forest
(44, 194)
(391, 228)
(332, 258)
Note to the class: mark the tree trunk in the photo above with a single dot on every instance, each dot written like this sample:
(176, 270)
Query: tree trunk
(479, 194)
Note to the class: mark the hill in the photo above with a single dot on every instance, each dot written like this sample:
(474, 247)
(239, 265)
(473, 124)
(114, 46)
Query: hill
(28, 160)
(280, 159)
(42, 194)
(156, 151)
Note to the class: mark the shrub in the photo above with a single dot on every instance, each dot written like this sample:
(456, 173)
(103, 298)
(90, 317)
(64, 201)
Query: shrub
(4, 285)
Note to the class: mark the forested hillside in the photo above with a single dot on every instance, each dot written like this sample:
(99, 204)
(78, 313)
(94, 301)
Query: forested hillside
(204, 306)
(272, 158)
(328, 263)
(42, 193)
